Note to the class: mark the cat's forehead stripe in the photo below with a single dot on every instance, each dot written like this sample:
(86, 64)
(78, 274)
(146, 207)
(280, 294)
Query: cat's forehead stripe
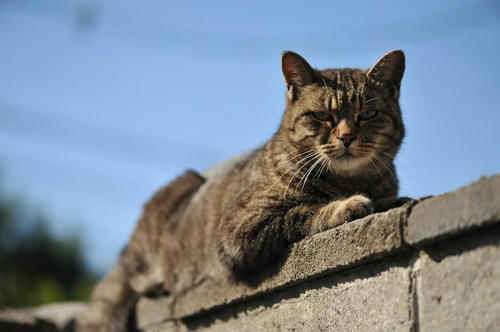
(333, 104)
(348, 89)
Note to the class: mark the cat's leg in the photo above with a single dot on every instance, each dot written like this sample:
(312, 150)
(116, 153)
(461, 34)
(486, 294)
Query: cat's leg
(339, 212)
(250, 237)
(139, 270)
(110, 304)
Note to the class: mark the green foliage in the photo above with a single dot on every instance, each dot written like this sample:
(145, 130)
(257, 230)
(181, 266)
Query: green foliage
(35, 266)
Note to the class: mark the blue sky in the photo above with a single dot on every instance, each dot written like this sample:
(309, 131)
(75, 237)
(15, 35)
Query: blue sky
(102, 102)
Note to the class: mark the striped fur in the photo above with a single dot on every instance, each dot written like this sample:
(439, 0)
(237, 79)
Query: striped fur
(330, 162)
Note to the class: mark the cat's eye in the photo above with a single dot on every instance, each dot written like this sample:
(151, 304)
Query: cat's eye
(367, 115)
(322, 116)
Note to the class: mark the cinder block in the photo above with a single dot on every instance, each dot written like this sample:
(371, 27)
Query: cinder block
(360, 284)
(351, 244)
(466, 208)
(169, 326)
(151, 311)
(378, 301)
(459, 290)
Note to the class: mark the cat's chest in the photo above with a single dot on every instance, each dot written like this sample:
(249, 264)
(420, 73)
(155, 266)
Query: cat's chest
(324, 190)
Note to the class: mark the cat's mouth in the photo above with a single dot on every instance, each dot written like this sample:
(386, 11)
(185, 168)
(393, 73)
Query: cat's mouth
(347, 160)
(340, 154)
(347, 154)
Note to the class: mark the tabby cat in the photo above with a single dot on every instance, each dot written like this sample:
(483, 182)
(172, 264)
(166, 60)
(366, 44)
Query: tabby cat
(330, 162)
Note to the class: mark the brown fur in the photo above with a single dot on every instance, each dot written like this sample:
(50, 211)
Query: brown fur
(301, 182)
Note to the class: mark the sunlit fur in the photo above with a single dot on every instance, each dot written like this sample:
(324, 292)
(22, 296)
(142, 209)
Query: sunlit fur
(344, 94)
(232, 221)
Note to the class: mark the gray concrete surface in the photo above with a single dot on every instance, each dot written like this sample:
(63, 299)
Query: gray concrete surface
(469, 207)
(458, 285)
(432, 265)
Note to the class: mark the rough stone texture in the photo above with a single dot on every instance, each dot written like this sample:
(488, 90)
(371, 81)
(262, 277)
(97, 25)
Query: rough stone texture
(350, 244)
(432, 265)
(458, 284)
(475, 205)
(353, 301)
(22, 321)
(271, 301)
(150, 311)
(45, 318)
(170, 326)
(60, 314)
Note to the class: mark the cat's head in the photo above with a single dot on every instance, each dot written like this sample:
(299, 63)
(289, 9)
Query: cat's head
(348, 118)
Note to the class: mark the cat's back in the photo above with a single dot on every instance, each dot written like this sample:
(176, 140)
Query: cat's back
(223, 180)
(232, 164)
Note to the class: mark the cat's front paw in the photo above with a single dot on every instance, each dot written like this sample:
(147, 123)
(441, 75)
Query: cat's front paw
(353, 208)
(339, 212)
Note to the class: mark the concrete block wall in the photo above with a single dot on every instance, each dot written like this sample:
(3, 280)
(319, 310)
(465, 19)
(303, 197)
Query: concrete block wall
(433, 265)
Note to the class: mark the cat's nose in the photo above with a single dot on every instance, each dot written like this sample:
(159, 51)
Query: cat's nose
(345, 132)
(347, 139)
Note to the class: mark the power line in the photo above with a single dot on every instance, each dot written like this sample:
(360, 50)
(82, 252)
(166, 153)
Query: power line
(100, 140)
(180, 40)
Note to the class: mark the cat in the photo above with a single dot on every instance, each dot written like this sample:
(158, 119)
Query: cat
(330, 162)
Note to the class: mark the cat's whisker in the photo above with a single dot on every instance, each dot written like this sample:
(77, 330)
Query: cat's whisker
(375, 143)
(384, 155)
(236, 218)
(311, 158)
(317, 156)
(336, 154)
(330, 165)
(309, 171)
(307, 154)
(389, 152)
(378, 146)
(384, 164)
(329, 149)
(367, 148)
(285, 159)
(299, 154)
(374, 156)
(323, 163)
(329, 145)
(366, 141)
(292, 161)
(370, 100)
(378, 170)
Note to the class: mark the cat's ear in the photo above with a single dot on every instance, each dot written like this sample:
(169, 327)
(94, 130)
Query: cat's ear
(295, 69)
(389, 69)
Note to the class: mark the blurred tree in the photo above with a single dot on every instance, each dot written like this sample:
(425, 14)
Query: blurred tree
(35, 266)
